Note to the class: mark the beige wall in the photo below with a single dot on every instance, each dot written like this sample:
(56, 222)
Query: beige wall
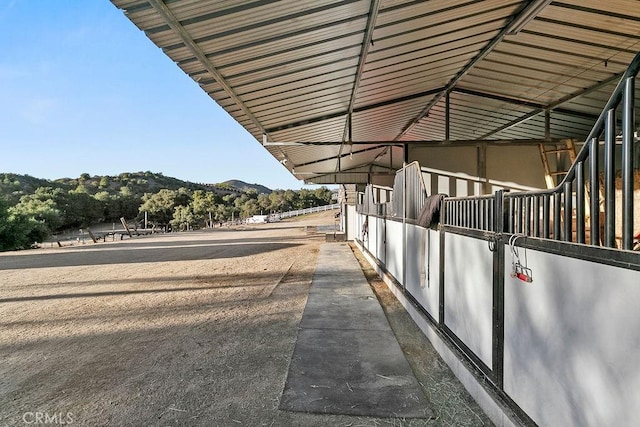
(518, 165)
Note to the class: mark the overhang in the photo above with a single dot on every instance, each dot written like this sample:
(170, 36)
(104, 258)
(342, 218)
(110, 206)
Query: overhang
(334, 90)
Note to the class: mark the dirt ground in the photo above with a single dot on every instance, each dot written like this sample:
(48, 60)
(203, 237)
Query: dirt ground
(182, 329)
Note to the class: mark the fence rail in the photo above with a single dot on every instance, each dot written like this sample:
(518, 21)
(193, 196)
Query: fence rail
(306, 211)
(470, 212)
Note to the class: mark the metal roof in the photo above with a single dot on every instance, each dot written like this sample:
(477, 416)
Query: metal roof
(333, 88)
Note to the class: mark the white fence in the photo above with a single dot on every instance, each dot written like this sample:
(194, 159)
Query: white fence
(306, 211)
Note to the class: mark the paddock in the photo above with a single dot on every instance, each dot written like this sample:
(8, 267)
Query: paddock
(193, 328)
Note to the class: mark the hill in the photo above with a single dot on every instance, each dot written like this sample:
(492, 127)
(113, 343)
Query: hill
(13, 186)
(243, 186)
(31, 209)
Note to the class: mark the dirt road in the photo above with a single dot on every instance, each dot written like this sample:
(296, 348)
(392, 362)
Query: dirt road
(179, 329)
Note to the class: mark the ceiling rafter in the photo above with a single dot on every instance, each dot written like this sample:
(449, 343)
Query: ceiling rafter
(355, 110)
(530, 104)
(525, 11)
(326, 159)
(162, 9)
(554, 104)
(366, 43)
(173, 22)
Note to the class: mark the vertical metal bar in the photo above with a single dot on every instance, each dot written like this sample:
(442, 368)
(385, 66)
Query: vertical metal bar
(568, 211)
(580, 205)
(536, 216)
(472, 215)
(499, 211)
(594, 175)
(492, 216)
(463, 215)
(511, 215)
(466, 213)
(497, 365)
(610, 179)
(454, 213)
(475, 214)
(519, 209)
(547, 124)
(441, 292)
(485, 214)
(446, 212)
(557, 215)
(488, 222)
(527, 216)
(545, 215)
(627, 163)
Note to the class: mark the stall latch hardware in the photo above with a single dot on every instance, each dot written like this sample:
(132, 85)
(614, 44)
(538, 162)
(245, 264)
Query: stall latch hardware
(519, 270)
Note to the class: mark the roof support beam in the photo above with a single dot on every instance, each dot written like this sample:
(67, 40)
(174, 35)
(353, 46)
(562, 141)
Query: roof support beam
(355, 110)
(529, 12)
(554, 105)
(434, 142)
(341, 156)
(364, 51)
(168, 16)
(530, 104)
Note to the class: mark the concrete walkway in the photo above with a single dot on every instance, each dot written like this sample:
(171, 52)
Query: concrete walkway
(347, 359)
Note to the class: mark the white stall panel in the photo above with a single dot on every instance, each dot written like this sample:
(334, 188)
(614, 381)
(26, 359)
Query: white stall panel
(372, 236)
(423, 267)
(468, 293)
(572, 342)
(381, 226)
(352, 223)
(394, 249)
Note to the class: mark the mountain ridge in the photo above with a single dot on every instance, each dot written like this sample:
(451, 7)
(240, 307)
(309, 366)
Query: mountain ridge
(244, 186)
(13, 185)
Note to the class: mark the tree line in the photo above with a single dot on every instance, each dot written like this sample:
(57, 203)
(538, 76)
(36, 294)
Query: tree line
(32, 209)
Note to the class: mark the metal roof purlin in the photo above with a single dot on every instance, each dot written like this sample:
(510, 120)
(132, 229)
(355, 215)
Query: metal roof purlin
(355, 110)
(366, 42)
(173, 22)
(554, 104)
(527, 11)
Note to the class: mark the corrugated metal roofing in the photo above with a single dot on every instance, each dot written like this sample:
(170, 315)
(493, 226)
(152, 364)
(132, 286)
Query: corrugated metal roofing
(335, 83)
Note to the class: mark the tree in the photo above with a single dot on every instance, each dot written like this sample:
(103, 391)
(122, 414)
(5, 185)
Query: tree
(160, 206)
(203, 204)
(183, 218)
(80, 209)
(249, 208)
(41, 209)
(18, 231)
(278, 203)
(104, 182)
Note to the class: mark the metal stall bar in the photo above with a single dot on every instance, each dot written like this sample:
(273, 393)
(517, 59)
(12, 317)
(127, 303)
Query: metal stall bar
(594, 178)
(610, 179)
(627, 162)
(580, 208)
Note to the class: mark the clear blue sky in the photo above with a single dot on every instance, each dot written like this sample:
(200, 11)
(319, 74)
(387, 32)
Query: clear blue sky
(83, 90)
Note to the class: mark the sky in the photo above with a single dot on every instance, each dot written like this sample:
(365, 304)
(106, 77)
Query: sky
(82, 90)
